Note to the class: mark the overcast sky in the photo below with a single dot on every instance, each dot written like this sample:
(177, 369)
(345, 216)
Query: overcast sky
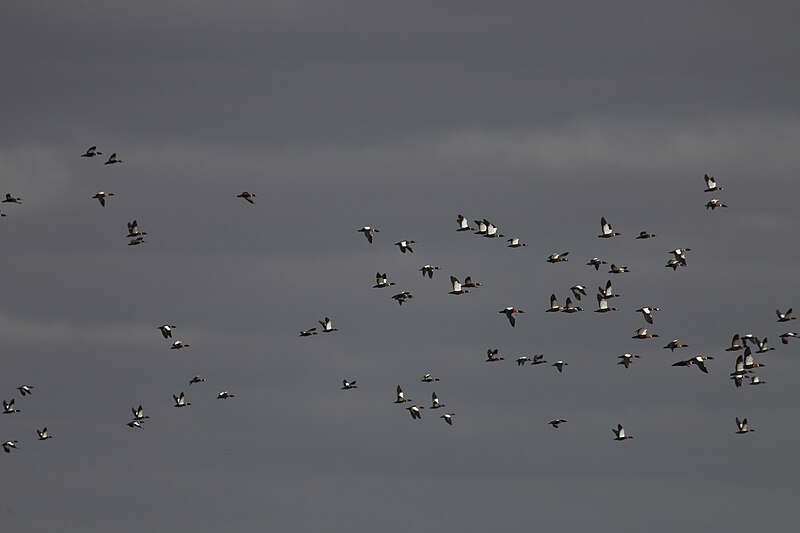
(541, 117)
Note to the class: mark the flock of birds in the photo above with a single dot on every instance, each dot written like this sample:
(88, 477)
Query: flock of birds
(748, 344)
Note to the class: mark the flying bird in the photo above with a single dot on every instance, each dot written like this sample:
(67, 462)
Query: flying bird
(113, 160)
(448, 417)
(308, 332)
(492, 357)
(577, 291)
(626, 359)
(138, 413)
(427, 270)
(101, 197)
(558, 258)
(400, 396)
(736, 344)
(715, 203)
(647, 313)
(463, 223)
(405, 245)
(557, 422)
(788, 335)
(742, 425)
(646, 235)
(91, 152)
(569, 307)
(618, 269)
(196, 379)
(698, 360)
(133, 230)
(180, 401)
(607, 232)
(25, 389)
(785, 317)
(711, 184)
(619, 433)
(560, 365)
(415, 411)
(456, 286)
(224, 395)
(248, 196)
(177, 345)
(511, 314)
(9, 408)
(347, 385)
(643, 333)
(11, 199)
(435, 403)
(602, 305)
(515, 243)
(596, 262)
(368, 231)
(327, 325)
(7, 445)
(166, 330)
(675, 344)
(381, 281)
(402, 297)
(428, 378)
(43, 434)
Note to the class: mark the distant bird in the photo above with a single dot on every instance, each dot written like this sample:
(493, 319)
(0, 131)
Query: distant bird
(521, 360)
(448, 417)
(788, 335)
(347, 385)
(511, 314)
(11, 199)
(9, 408)
(133, 230)
(456, 286)
(166, 330)
(538, 360)
(739, 369)
(577, 291)
(402, 297)
(177, 345)
(558, 258)
(699, 361)
(25, 389)
(463, 223)
(674, 264)
(428, 378)
(368, 231)
(435, 403)
(602, 305)
(515, 243)
(138, 413)
(248, 196)
(134, 424)
(91, 152)
(557, 422)
(224, 395)
(626, 359)
(607, 232)
(2, 214)
(180, 401)
(43, 434)
(675, 344)
(482, 227)
(196, 379)
(405, 245)
(737, 379)
(763, 346)
(308, 332)
(680, 254)
(491, 231)
(555, 307)
(381, 281)
(113, 160)
(101, 197)
(492, 357)
(137, 241)
(618, 269)
(569, 307)
(755, 380)
(646, 235)
(715, 203)
(608, 292)
(7, 445)
(647, 313)
(468, 283)
(596, 262)
(427, 270)
(742, 425)
(748, 361)
(327, 325)
(619, 433)
(711, 184)
(736, 344)
(643, 333)
(785, 317)
(415, 411)
(560, 365)
(400, 396)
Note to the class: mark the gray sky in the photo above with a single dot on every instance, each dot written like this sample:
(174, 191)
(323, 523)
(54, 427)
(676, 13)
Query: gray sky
(541, 117)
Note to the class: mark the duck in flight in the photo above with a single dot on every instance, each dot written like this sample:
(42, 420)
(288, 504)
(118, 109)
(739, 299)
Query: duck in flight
(619, 433)
(368, 231)
(91, 152)
(101, 197)
(607, 232)
(248, 196)
(511, 314)
(112, 160)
